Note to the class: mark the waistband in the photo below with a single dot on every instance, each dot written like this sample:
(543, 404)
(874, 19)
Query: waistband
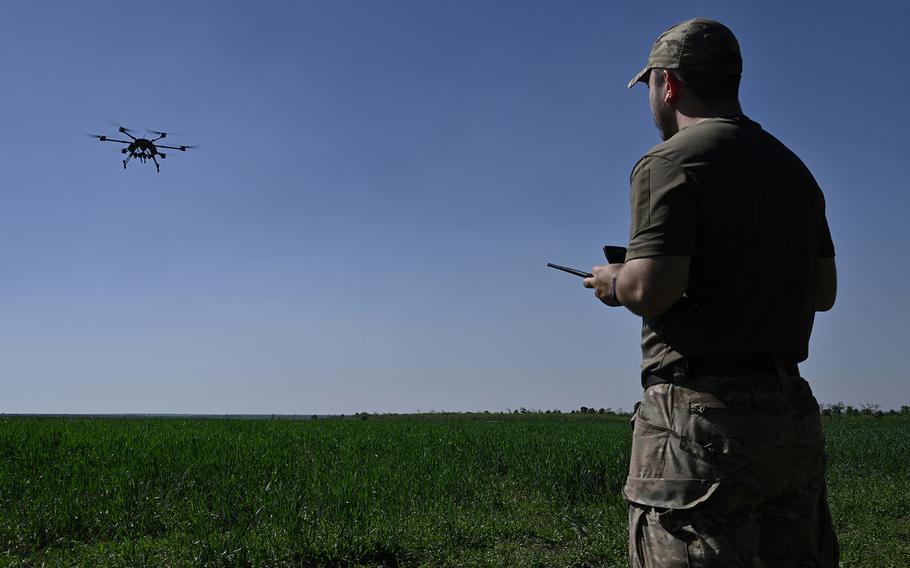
(740, 368)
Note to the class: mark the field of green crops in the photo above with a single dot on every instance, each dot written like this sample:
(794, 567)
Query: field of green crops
(481, 490)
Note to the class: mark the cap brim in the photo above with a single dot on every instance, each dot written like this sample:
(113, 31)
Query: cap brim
(642, 76)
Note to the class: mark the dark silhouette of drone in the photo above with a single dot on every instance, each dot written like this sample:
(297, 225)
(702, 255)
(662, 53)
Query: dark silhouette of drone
(142, 149)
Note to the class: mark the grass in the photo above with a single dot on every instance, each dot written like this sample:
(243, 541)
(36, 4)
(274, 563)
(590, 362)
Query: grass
(484, 490)
(869, 490)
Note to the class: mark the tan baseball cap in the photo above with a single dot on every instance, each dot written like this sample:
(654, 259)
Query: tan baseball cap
(695, 45)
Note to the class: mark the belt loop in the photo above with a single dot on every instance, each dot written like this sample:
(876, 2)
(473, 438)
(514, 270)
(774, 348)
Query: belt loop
(681, 371)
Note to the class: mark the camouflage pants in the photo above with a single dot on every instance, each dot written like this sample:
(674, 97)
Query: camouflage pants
(729, 472)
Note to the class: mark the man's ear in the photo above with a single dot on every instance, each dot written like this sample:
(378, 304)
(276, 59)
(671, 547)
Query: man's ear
(673, 84)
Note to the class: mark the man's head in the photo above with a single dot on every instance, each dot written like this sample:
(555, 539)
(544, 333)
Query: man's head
(693, 71)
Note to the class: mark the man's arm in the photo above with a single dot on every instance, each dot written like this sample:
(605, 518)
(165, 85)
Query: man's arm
(647, 286)
(825, 284)
(661, 245)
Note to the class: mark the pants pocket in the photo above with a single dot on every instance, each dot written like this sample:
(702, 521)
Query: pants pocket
(661, 533)
(664, 443)
(649, 448)
(730, 438)
(652, 546)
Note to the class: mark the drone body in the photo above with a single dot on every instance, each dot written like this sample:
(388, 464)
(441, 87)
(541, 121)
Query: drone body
(142, 149)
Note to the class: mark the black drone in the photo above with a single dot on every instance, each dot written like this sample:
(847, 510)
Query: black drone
(141, 148)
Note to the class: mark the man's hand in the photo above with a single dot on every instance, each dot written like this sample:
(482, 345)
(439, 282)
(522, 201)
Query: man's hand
(605, 277)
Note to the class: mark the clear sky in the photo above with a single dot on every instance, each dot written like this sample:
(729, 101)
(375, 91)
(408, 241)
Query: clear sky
(378, 189)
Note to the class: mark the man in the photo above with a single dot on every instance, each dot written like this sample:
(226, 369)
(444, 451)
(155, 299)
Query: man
(729, 259)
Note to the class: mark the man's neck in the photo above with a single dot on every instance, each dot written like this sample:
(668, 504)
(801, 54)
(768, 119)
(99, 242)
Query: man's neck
(697, 115)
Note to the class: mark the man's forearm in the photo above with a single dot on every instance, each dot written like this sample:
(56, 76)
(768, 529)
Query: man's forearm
(648, 287)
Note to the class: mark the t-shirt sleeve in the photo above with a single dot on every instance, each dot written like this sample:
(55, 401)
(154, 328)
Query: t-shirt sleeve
(664, 216)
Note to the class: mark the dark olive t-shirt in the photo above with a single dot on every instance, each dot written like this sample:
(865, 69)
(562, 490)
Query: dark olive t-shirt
(751, 216)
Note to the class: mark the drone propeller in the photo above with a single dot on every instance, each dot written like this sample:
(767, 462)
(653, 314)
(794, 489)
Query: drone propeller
(98, 136)
(181, 148)
(160, 134)
(123, 129)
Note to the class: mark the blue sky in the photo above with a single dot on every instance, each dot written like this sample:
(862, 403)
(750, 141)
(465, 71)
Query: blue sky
(378, 189)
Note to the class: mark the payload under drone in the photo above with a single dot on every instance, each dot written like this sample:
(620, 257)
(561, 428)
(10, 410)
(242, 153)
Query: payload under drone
(143, 149)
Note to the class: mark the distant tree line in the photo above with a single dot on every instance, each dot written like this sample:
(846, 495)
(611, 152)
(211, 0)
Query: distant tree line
(508, 411)
(841, 409)
(586, 410)
(581, 410)
(837, 409)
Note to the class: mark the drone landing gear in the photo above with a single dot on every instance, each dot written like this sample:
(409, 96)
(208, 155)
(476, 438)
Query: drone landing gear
(157, 166)
(126, 160)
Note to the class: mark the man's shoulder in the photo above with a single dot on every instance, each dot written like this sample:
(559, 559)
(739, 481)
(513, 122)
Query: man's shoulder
(662, 156)
(677, 150)
(712, 140)
(707, 136)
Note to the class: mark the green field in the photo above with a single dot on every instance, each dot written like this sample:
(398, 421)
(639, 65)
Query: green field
(478, 490)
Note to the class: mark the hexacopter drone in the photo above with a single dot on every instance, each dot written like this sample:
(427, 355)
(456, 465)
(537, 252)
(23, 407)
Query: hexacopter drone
(142, 149)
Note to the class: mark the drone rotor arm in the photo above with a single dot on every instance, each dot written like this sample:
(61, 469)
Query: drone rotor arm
(181, 148)
(124, 130)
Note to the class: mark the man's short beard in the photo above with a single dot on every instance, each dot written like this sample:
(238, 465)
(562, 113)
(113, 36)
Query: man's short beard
(665, 120)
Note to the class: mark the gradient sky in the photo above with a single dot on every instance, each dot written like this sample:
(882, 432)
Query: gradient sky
(378, 189)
